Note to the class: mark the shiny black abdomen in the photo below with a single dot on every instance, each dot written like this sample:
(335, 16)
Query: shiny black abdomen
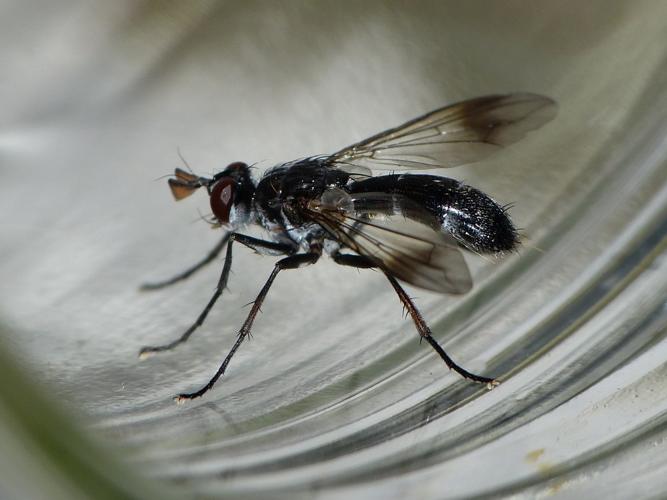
(471, 217)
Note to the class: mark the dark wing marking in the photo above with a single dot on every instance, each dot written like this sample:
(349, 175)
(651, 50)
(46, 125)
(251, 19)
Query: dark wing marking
(461, 133)
(409, 250)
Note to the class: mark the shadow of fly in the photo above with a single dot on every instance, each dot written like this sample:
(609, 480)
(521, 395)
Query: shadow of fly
(411, 227)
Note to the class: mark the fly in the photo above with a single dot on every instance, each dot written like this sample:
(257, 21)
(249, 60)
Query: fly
(411, 227)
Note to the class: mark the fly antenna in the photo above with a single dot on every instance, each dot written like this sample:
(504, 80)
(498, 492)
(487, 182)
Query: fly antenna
(185, 162)
(163, 177)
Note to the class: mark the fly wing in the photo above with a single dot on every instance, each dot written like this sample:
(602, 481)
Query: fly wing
(461, 133)
(409, 250)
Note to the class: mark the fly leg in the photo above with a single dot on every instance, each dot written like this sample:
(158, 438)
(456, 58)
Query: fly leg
(291, 262)
(360, 261)
(426, 334)
(254, 243)
(215, 251)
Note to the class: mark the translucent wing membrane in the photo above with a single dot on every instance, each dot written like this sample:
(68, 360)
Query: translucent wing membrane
(407, 248)
(357, 172)
(462, 133)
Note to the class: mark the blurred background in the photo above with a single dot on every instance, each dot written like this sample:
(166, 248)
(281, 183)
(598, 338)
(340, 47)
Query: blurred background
(334, 395)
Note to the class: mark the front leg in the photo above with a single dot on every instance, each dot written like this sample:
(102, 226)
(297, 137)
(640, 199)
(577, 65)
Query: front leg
(254, 243)
(215, 251)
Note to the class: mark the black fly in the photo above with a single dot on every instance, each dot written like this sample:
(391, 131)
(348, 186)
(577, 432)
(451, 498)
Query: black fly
(410, 227)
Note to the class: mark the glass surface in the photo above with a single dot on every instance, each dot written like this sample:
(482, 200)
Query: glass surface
(334, 396)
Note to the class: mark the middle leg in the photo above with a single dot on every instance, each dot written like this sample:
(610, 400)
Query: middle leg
(291, 262)
(254, 243)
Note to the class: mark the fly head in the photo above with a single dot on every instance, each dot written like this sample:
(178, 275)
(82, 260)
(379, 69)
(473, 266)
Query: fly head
(230, 191)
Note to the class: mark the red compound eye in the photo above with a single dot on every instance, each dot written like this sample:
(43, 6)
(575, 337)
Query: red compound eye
(222, 198)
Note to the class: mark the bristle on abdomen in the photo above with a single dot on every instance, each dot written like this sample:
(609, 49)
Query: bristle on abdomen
(477, 222)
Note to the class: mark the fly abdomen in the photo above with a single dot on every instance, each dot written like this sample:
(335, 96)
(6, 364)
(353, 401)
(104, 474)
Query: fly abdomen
(477, 222)
(472, 218)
